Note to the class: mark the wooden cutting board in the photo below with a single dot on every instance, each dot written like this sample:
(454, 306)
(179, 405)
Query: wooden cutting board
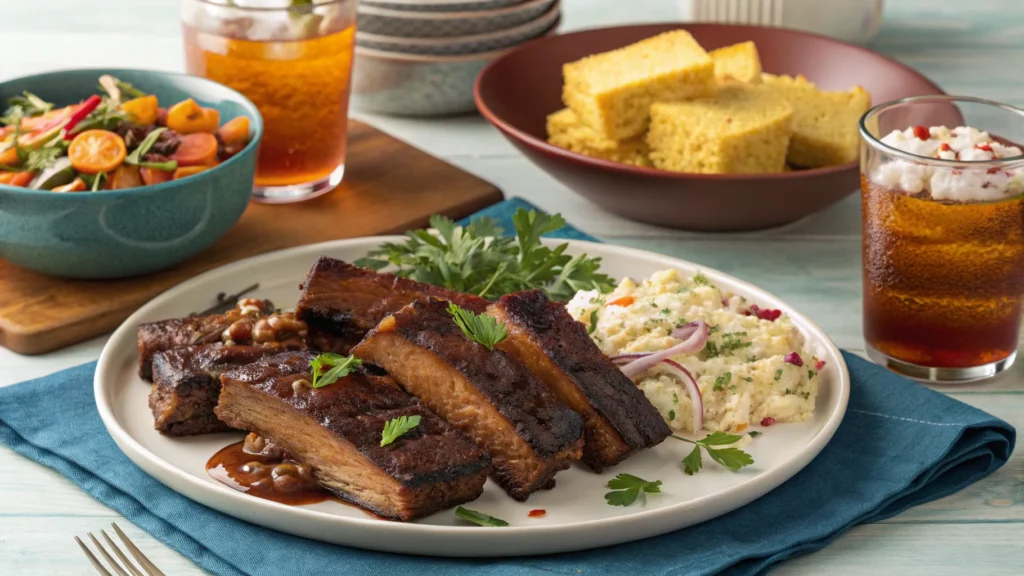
(389, 187)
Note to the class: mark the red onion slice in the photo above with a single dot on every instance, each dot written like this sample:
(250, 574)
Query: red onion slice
(694, 342)
(684, 376)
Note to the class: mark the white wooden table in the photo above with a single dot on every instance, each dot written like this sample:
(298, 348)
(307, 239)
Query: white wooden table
(974, 47)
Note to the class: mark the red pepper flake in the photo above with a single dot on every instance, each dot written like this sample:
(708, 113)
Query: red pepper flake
(767, 421)
(819, 365)
(538, 513)
(922, 132)
(983, 146)
(993, 170)
(957, 172)
(794, 359)
(944, 147)
(764, 313)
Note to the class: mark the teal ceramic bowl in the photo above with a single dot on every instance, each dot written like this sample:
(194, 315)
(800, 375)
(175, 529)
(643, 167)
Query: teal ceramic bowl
(119, 233)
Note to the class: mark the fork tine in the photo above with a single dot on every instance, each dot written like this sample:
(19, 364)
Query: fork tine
(110, 561)
(113, 546)
(95, 563)
(146, 564)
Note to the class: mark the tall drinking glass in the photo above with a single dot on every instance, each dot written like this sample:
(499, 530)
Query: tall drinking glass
(294, 61)
(942, 179)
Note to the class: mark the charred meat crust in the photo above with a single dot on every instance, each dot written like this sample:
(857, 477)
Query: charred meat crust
(547, 425)
(153, 337)
(549, 329)
(186, 385)
(341, 303)
(423, 349)
(436, 465)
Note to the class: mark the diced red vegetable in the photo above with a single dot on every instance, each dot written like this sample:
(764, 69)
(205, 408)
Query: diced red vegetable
(90, 104)
(794, 359)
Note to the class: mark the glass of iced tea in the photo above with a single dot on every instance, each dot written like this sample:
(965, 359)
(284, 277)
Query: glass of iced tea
(942, 181)
(293, 59)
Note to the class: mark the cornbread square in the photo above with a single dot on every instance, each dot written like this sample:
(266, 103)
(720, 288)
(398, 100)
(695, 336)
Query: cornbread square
(738, 62)
(743, 129)
(824, 123)
(566, 131)
(612, 92)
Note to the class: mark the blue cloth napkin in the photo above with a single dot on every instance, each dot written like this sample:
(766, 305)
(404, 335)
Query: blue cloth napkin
(899, 445)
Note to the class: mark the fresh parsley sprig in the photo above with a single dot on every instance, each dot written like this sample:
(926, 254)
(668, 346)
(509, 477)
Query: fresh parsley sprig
(627, 488)
(396, 427)
(731, 458)
(480, 328)
(329, 367)
(477, 259)
(479, 518)
(28, 105)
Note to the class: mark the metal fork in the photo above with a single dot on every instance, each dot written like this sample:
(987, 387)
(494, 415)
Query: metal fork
(758, 12)
(148, 568)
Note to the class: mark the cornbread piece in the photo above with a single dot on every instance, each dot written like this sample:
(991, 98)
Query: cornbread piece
(618, 420)
(824, 123)
(737, 62)
(744, 129)
(186, 385)
(487, 394)
(566, 131)
(341, 303)
(613, 92)
(252, 321)
(336, 430)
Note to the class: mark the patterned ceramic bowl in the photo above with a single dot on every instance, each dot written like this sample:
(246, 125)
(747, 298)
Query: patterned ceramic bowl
(440, 5)
(446, 24)
(460, 45)
(118, 233)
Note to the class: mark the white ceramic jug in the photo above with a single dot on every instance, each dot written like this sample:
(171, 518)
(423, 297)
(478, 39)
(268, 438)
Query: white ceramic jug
(850, 20)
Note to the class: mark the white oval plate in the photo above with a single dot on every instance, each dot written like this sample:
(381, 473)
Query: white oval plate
(577, 515)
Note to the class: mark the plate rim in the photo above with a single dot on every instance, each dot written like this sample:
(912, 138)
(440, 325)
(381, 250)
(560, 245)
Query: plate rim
(744, 493)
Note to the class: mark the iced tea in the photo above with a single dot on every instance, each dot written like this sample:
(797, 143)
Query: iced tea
(943, 246)
(296, 67)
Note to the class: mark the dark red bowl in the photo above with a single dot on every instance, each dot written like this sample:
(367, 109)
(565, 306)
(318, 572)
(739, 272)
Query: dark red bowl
(517, 91)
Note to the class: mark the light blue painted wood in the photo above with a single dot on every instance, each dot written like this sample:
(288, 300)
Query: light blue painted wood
(967, 47)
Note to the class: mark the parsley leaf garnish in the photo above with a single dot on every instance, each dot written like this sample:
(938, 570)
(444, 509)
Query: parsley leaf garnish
(480, 328)
(593, 322)
(731, 458)
(42, 158)
(626, 488)
(754, 433)
(699, 279)
(337, 366)
(398, 426)
(778, 374)
(477, 259)
(722, 381)
(479, 518)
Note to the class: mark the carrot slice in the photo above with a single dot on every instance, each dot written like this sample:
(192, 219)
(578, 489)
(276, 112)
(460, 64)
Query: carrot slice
(124, 176)
(21, 179)
(76, 185)
(234, 130)
(186, 171)
(624, 301)
(152, 176)
(196, 150)
(95, 151)
(187, 117)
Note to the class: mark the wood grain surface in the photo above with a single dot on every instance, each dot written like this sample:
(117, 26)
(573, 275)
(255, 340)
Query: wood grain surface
(388, 187)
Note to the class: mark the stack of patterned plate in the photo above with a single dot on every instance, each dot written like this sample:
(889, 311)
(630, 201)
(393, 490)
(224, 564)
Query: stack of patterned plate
(420, 57)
